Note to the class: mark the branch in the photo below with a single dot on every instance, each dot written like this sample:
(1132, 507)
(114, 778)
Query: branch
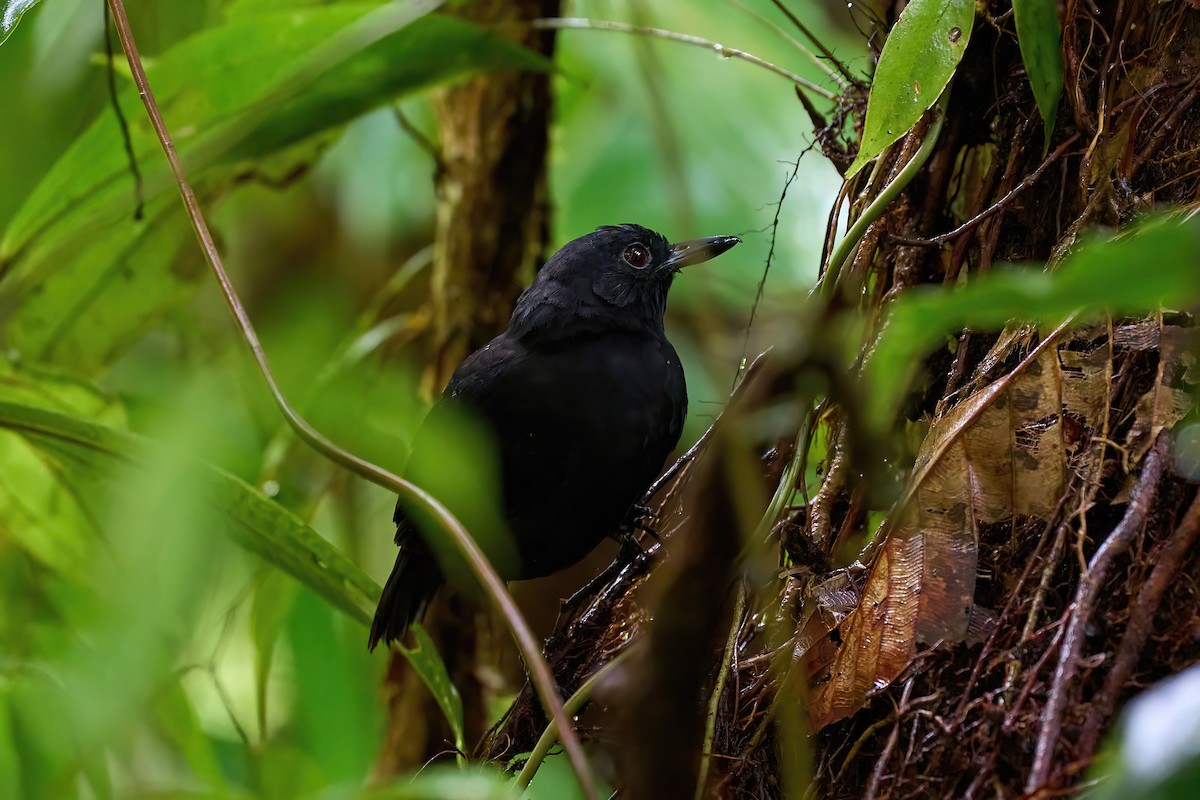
(1086, 598)
(548, 23)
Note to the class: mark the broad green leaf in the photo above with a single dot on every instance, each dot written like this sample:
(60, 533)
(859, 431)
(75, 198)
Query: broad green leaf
(337, 721)
(1040, 37)
(1136, 273)
(108, 292)
(253, 521)
(241, 99)
(429, 665)
(919, 58)
(39, 513)
(11, 12)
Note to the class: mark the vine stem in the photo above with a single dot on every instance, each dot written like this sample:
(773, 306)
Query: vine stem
(884, 199)
(574, 23)
(571, 708)
(486, 574)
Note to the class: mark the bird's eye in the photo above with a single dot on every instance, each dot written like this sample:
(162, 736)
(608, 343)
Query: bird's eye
(637, 255)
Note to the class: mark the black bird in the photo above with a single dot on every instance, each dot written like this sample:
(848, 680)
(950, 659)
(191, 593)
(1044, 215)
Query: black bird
(583, 398)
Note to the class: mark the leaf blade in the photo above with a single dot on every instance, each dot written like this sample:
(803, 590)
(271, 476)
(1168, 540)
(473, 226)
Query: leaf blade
(919, 58)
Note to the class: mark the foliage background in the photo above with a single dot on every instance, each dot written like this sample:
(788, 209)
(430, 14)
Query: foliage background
(142, 652)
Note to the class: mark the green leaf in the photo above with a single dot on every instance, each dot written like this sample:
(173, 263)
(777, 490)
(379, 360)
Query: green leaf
(10, 758)
(240, 99)
(38, 513)
(1135, 273)
(919, 58)
(429, 665)
(11, 12)
(442, 783)
(273, 601)
(254, 522)
(1040, 37)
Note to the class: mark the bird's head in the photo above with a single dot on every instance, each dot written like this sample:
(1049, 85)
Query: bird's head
(615, 276)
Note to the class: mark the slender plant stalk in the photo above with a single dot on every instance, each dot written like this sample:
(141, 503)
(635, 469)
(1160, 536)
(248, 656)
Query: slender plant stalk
(574, 23)
(571, 708)
(497, 592)
(884, 199)
(714, 702)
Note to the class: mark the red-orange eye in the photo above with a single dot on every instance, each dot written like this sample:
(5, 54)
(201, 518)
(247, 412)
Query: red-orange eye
(637, 255)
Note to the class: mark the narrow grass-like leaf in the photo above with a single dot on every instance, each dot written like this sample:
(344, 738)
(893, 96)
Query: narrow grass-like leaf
(429, 665)
(919, 58)
(1135, 273)
(254, 522)
(1040, 37)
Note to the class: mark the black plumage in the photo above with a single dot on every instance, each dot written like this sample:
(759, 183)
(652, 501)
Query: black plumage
(581, 399)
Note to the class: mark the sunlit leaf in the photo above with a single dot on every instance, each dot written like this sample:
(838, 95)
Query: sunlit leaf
(39, 513)
(1135, 273)
(1040, 37)
(239, 99)
(11, 12)
(429, 665)
(919, 58)
(254, 522)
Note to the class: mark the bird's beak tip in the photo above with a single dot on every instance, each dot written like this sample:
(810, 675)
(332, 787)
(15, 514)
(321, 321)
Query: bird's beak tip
(696, 251)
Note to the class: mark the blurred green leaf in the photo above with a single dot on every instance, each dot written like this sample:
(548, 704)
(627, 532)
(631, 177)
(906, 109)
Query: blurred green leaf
(177, 719)
(1040, 37)
(239, 99)
(11, 12)
(254, 522)
(919, 58)
(447, 784)
(340, 724)
(429, 665)
(39, 513)
(1135, 273)
(10, 760)
(273, 600)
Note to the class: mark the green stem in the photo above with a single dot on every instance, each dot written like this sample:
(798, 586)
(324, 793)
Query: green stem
(714, 702)
(570, 708)
(684, 38)
(884, 199)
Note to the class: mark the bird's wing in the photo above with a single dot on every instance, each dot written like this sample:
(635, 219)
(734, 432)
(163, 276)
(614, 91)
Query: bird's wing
(468, 388)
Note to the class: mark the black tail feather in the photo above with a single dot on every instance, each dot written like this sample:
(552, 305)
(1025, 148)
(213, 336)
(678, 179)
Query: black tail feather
(415, 578)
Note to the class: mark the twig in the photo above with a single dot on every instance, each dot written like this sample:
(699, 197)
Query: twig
(573, 23)
(999, 205)
(762, 283)
(139, 199)
(825, 51)
(493, 585)
(822, 64)
(1167, 564)
(1086, 598)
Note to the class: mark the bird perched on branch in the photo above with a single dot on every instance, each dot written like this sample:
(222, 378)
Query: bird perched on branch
(546, 438)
